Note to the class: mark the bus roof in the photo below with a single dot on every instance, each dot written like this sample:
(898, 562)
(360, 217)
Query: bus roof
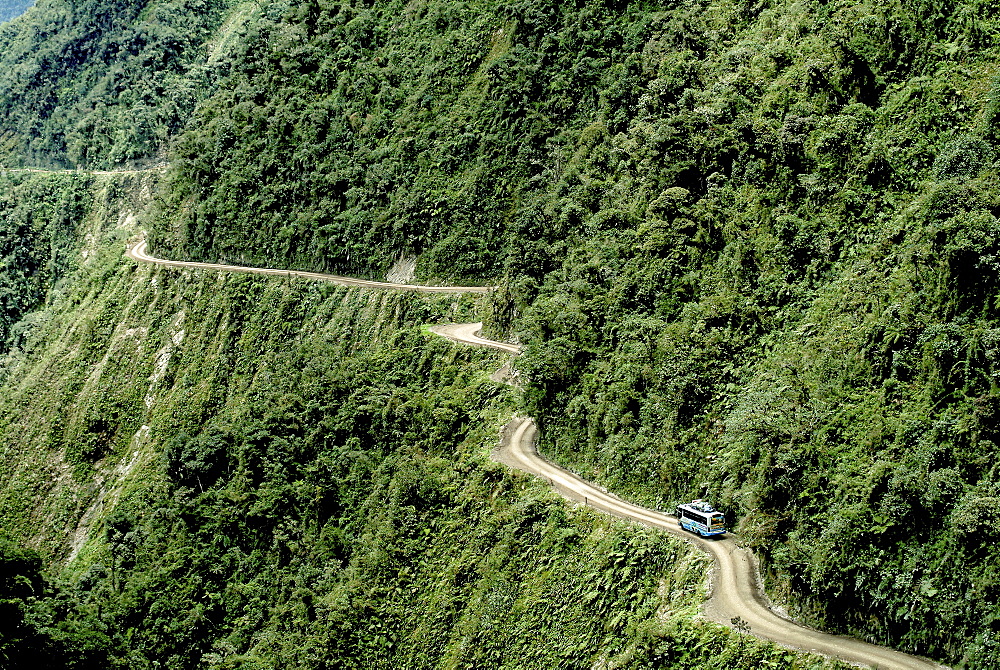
(701, 506)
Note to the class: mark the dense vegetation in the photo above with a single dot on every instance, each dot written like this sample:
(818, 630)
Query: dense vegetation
(42, 627)
(751, 250)
(245, 472)
(102, 84)
(750, 247)
(38, 219)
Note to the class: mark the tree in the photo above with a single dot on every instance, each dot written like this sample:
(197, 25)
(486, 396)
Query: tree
(199, 461)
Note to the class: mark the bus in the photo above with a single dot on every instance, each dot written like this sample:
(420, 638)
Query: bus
(700, 517)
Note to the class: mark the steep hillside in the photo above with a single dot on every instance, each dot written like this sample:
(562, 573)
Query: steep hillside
(38, 242)
(102, 84)
(750, 248)
(261, 472)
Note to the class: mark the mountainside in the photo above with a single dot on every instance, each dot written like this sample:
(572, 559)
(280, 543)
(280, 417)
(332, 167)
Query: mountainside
(750, 249)
(249, 472)
(99, 84)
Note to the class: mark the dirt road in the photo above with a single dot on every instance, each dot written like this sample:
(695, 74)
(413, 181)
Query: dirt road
(735, 588)
(153, 168)
(139, 253)
(735, 584)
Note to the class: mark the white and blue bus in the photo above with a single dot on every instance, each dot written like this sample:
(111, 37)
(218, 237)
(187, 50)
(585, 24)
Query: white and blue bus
(700, 517)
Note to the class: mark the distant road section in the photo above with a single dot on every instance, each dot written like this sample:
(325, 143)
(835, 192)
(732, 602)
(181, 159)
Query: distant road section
(736, 590)
(468, 333)
(153, 168)
(139, 253)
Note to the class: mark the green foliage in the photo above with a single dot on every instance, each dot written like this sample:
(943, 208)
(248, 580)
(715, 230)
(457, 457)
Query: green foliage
(98, 84)
(331, 171)
(198, 461)
(39, 629)
(37, 237)
(750, 250)
(965, 156)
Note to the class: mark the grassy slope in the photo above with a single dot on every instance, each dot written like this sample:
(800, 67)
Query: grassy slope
(256, 473)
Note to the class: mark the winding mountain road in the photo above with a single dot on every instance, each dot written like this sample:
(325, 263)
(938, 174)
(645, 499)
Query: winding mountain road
(735, 585)
(139, 253)
(736, 590)
(153, 168)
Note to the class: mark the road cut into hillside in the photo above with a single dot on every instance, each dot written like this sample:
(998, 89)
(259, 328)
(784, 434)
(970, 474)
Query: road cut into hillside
(735, 581)
(153, 168)
(735, 586)
(139, 253)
